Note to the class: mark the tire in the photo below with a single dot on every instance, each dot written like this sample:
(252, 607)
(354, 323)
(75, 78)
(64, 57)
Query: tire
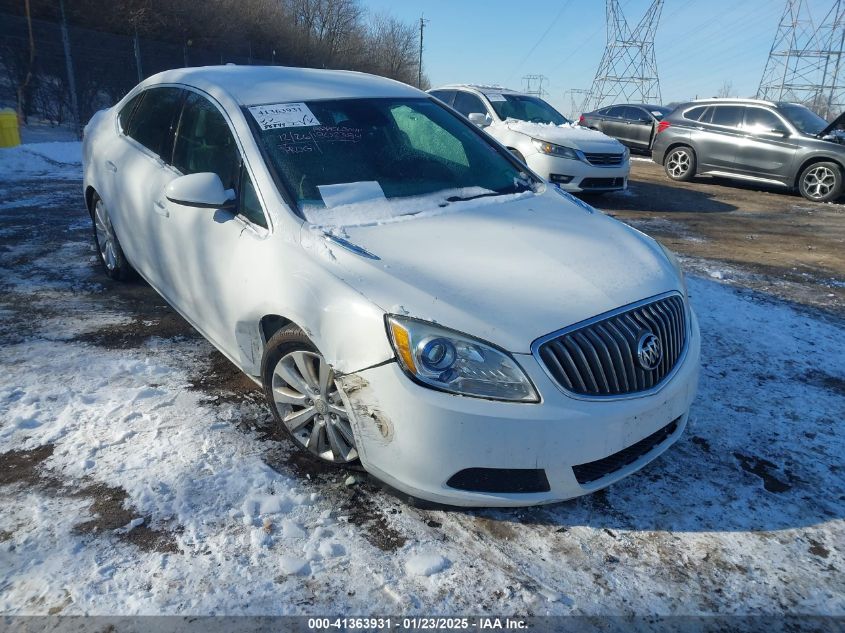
(518, 155)
(305, 400)
(821, 182)
(680, 163)
(108, 246)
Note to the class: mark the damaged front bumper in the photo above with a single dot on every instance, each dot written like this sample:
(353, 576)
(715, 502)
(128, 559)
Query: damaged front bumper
(473, 452)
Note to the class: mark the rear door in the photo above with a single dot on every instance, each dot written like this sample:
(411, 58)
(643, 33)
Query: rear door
(141, 172)
(767, 149)
(614, 122)
(717, 135)
(637, 129)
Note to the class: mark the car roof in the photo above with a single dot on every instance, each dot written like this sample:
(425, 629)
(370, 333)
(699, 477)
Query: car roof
(479, 88)
(255, 85)
(734, 101)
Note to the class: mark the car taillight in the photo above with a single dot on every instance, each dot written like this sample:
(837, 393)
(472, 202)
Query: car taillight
(581, 120)
(662, 126)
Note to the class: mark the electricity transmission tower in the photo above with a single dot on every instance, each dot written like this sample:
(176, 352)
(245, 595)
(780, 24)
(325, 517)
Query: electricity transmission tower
(534, 85)
(577, 98)
(628, 70)
(805, 61)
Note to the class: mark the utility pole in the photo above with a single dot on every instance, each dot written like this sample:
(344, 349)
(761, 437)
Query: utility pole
(71, 79)
(628, 69)
(805, 59)
(423, 22)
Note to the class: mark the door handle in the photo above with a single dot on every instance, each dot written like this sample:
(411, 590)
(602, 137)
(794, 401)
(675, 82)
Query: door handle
(160, 208)
(111, 166)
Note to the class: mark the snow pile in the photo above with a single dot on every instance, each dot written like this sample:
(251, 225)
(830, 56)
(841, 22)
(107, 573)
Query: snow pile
(55, 159)
(426, 564)
(385, 210)
(568, 133)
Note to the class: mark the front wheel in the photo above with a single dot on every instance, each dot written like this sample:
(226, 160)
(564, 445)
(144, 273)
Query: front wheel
(305, 400)
(821, 182)
(680, 163)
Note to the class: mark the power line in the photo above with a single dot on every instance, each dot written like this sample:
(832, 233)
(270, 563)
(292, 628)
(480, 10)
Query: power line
(540, 40)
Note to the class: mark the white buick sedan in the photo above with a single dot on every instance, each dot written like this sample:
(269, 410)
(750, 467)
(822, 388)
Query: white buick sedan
(409, 297)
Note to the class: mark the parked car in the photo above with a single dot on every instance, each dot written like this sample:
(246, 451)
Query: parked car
(782, 144)
(408, 296)
(633, 124)
(573, 158)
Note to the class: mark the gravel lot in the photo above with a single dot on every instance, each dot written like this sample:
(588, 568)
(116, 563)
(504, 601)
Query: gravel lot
(138, 475)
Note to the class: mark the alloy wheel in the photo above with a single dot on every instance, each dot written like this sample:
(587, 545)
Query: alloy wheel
(679, 163)
(106, 240)
(819, 182)
(310, 406)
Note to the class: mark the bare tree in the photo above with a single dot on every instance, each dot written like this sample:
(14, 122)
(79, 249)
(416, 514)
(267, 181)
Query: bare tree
(727, 89)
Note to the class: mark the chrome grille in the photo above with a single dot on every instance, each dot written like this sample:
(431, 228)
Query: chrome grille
(603, 159)
(600, 358)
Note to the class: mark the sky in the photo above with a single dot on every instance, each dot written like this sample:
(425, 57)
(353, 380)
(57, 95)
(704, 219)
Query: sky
(700, 44)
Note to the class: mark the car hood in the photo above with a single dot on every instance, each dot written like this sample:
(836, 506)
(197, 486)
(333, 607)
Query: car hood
(837, 125)
(568, 135)
(507, 273)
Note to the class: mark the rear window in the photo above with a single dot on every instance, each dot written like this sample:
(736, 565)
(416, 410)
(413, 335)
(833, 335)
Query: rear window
(695, 114)
(153, 120)
(125, 114)
(727, 116)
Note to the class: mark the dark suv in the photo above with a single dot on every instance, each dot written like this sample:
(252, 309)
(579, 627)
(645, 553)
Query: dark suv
(782, 144)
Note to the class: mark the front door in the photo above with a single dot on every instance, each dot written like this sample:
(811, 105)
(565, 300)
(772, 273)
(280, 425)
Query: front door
(766, 149)
(213, 253)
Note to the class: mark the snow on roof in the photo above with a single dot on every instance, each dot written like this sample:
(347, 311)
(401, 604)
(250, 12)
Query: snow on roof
(254, 85)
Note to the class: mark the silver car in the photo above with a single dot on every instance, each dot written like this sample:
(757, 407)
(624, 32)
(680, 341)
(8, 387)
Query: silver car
(782, 144)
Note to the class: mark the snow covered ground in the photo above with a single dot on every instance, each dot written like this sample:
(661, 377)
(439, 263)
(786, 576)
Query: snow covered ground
(138, 477)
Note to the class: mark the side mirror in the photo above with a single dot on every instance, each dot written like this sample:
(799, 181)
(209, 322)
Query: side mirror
(204, 190)
(481, 120)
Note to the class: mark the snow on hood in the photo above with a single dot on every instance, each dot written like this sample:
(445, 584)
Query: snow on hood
(567, 134)
(507, 273)
(385, 210)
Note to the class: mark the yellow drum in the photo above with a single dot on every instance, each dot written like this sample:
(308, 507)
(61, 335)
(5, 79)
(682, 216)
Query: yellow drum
(10, 135)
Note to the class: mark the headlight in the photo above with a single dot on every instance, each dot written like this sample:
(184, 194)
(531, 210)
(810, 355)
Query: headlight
(456, 363)
(676, 265)
(555, 150)
(626, 153)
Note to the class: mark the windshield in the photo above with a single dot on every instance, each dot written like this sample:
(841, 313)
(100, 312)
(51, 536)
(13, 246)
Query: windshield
(804, 119)
(334, 153)
(525, 108)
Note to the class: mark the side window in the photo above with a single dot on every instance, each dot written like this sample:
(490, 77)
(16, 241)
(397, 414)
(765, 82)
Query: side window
(694, 114)
(125, 114)
(204, 142)
(727, 116)
(153, 120)
(424, 135)
(633, 114)
(467, 103)
(616, 111)
(249, 205)
(760, 120)
(445, 96)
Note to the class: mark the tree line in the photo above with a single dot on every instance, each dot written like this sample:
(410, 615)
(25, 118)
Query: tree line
(338, 34)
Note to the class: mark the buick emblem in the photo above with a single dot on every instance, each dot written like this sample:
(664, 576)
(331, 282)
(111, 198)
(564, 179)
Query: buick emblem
(649, 351)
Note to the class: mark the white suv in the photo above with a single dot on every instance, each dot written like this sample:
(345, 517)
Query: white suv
(571, 157)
